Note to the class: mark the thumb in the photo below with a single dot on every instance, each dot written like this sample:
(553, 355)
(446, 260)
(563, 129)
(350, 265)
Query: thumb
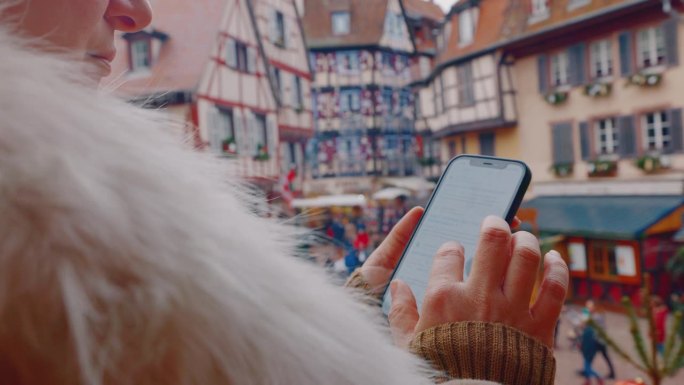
(403, 314)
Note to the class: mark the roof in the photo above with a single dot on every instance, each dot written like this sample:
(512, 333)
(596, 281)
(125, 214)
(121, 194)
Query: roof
(423, 8)
(191, 27)
(605, 217)
(366, 22)
(488, 31)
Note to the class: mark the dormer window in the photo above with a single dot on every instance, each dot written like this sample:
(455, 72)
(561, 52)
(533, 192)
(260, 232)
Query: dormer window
(540, 11)
(341, 23)
(141, 55)
(467, 22)
(143, 48)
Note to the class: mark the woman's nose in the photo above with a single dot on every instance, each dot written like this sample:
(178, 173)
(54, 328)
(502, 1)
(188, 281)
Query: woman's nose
(129, 15)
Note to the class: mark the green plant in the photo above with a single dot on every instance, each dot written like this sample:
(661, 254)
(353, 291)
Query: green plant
(645, 80)
(557, 97)
(602, 167)
(648, 362)
(427, 161)
(262, 152)
(652, 163)
(562, 169)
(229, 146)
(596, 90)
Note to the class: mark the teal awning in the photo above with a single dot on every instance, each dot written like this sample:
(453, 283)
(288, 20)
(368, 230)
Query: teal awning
(603, 217)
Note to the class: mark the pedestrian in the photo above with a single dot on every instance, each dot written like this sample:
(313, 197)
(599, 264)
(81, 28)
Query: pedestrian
(126, 258)
(598, 315)
(660, 319)
(589, 348)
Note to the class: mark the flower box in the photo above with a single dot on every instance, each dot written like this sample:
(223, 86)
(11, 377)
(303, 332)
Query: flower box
(556, 98)
(229, 146)
(602, 167)
(597, 90)
(262, 153)
(651, 163)
(562, 169)
(645, 80)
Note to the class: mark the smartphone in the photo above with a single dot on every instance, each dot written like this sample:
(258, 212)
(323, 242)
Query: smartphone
(471, 188)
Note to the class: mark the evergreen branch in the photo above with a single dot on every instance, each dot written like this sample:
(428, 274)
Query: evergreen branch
(670, 344)
(636, 333)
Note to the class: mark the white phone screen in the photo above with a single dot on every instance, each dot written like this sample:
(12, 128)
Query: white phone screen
(466, 194)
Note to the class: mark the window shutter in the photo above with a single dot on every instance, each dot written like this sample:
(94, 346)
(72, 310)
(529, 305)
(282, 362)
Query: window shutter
(625, 39)
(271, 135)
(563, 149)
(585, 140)
(214, 129)
(577, 72)
(273, 31)
(675, 130)
(627, 136)
(251, 60)
(239, 132)
(231, 55)
(487, 144)
(672, 51)
(542, 69)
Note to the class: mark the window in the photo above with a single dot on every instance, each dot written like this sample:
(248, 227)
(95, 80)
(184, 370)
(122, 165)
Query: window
(464, 74)
(299, 96)
(540, 9)
(140, 55)
(651, 47)
(467, 21)
(340, 23)
(387, 61)
(241, 56)
(606, 137)
(656, 131)
(387, 100)
(487, 144)
(437, 95)
(348, 61)
(559, 69)
(603, 260)
(222, 131)
(277, 81)
(601, 59)
(350, 100)
(279, 29)
(260, 134)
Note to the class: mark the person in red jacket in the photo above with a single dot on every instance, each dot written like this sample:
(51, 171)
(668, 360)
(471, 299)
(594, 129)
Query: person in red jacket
(660, 319)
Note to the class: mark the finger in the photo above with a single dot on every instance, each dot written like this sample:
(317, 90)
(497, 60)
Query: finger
(523, 269)
(492, 256)
(403, 315)
(516, 223)
(552, 291)
(388, 253)
(447, 265)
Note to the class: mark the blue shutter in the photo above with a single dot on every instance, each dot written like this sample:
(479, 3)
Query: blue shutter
(487, 144)
(671, 49)
(627, 136)
(625, 39)
(676, 144)
(231, 54)
(542, 71)
(576, 54)
(563, 149)
(585, 140)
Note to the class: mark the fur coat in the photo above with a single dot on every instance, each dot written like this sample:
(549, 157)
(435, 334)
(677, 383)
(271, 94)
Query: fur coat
(126, 258)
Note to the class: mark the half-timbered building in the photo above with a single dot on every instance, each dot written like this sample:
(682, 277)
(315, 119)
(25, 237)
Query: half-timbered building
(237, 71)
(360, 51)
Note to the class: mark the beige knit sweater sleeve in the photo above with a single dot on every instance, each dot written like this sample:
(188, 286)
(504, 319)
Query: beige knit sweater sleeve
(477, 352)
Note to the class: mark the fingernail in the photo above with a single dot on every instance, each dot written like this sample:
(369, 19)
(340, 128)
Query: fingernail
(554, 253)
(492, 221)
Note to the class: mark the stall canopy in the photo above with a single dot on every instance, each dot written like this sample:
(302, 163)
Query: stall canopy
(608, 217)
(390, 193)
(344, 200)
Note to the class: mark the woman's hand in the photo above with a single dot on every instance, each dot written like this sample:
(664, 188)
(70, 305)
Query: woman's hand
(498, 290)
(377, 270)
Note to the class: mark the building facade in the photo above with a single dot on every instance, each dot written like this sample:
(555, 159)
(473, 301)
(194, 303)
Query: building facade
(467, 103)
(363, 105)
(240, 70)
(600, 125)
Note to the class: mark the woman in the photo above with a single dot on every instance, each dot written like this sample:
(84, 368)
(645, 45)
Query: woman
(122, 263)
